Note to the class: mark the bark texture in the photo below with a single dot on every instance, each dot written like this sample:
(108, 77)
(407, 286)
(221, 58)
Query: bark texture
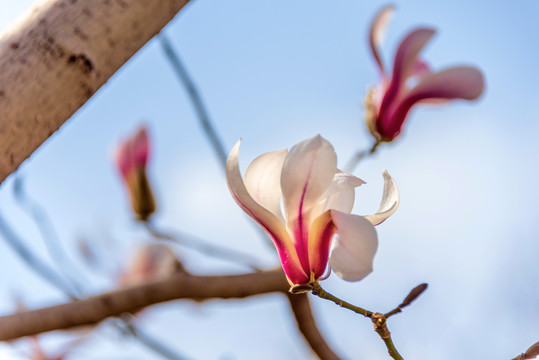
(128, 300)
(58, 55)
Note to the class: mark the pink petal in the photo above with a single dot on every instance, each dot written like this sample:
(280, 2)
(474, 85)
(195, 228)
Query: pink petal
(141, 147)
(389, 121)
(390, 201)
(377, 34)
(269, 222)
(154, 261)
(352, 251)
(263, 180)
(455, 83)
(307, 173)
(420, 69)
(320, 235)
(406, 56)
(133, 152)
(123, 158)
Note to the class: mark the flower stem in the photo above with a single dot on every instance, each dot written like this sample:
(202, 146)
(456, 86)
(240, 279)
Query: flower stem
(318, 291)
(205, 247)
(358, 156)
(391, 349)
(378, 319)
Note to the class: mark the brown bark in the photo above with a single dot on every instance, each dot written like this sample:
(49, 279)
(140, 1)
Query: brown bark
(58, 56)
(180, 286)
(97, 308)
(301, 307)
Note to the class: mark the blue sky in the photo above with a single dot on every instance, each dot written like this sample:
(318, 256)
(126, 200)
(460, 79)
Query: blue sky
(275, 73)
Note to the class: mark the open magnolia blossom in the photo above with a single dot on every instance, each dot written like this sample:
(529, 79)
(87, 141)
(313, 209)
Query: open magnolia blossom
(412, 81)
(131, 159)
(317, 200)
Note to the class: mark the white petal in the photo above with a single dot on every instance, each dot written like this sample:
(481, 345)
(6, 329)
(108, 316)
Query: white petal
(340, 195)
(263, 180)
(390, 201)
(269, 222)
(307, 174)
(352, 251)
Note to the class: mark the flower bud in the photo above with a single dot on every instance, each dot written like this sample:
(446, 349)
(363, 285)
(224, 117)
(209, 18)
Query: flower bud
(131, 159)
(418, 290)
(153, 261)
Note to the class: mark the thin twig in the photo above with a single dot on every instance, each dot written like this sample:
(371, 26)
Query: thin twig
(194, 94)
(50, 275)
(358, 156)
(34, 262)
(318, 291)
(204, 247)
(213, 137)
(196, 99)
(379, 320)
(129, 328)
(48, 233)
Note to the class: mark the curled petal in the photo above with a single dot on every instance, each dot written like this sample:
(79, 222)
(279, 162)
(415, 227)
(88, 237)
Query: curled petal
(320, 235)
(352, 251)
(340, 195)
(390, 201)
(265, 218)
(263, 180)
(377, 33)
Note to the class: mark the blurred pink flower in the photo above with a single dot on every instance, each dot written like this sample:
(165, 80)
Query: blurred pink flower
(153, 261)
(317, 199)
(131, 159)
(412, 81)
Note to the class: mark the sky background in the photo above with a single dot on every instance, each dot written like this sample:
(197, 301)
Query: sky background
(276, 73)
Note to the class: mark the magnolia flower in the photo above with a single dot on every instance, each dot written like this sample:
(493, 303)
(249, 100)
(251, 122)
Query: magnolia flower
(412, 81)
(317, 200)
(131, 160)
(153, 261)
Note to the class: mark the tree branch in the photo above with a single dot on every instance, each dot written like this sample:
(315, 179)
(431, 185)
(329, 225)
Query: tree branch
(301, 308)
(180, 286)
(58, 56)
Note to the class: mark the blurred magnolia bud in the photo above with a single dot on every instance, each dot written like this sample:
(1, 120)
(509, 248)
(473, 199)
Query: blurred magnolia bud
(131, 159)
(153, 261)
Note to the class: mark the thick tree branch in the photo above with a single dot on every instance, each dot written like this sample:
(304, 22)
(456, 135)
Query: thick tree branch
(58, 56)
(301, 308)
(180, 286)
